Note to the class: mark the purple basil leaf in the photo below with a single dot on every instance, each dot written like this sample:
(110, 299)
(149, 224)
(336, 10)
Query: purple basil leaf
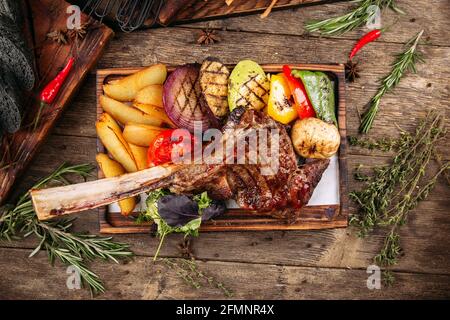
(177, 210)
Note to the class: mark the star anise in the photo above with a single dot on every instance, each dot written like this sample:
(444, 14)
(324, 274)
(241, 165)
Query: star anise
(58, 35)
(208, 36)
(79, 33)
(185, 248)
(351, 71)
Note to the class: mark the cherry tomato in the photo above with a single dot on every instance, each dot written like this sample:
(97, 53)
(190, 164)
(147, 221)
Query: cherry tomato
(169, 143)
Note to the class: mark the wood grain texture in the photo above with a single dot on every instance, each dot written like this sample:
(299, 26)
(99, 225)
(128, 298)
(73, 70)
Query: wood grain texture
(205, 10)
(144, 279)
(23, 145)
(311, 217)
(334, 256)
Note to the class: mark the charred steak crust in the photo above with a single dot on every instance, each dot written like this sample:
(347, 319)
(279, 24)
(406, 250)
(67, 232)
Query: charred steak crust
(278, 194)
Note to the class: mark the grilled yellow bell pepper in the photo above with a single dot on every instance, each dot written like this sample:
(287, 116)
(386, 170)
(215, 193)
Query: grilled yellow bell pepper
(280, 106)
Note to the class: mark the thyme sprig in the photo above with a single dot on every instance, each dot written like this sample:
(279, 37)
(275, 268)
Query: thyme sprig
(189, 272)
(20, 221)
(406, 61)
(353, 19)
(396, 189)
(383, 144)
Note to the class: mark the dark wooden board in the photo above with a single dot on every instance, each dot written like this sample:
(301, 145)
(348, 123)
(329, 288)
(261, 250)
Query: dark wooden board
(214, 9)
(200, 10)
(46, 16)
(311, 218)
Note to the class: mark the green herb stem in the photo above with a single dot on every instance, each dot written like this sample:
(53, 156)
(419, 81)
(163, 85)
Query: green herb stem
(353, 19)
(20, 221)
(406, 61)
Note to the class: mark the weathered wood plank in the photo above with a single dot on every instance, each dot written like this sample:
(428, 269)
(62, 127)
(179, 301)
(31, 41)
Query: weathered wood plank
(404, 106)
(424, 238)
(430, 15)
(143, 279)
(25, 143)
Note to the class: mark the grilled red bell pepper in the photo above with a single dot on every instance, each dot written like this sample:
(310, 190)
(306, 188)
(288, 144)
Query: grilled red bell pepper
(167, 143)
(302, 104)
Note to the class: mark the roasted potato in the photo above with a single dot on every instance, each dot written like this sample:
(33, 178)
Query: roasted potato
(133, 114)
(126, 88)
(140, 155)
(110, 122)
(140, 134)
(155, 112)
(112, 168)
(109, 133)
(152, 94)
(314, 138)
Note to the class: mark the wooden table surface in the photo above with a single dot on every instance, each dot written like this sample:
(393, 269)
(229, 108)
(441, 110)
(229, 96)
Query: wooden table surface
(325, 264)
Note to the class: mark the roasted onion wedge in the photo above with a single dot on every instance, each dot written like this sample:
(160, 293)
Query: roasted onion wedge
(182, 99)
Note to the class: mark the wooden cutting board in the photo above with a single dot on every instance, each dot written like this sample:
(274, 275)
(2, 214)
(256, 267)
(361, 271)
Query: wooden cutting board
(201, 10)
(44, 16)
(311, 217)
(213, 9)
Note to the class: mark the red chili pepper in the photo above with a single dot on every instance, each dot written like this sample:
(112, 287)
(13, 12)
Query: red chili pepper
(365, 39)
(51, 90)
(302, 104)
(166, 144)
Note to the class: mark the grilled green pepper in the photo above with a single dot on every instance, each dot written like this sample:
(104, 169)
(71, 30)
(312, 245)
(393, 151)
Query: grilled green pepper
(320, 92)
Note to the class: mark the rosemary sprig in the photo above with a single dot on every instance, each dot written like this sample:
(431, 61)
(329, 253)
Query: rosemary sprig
(20, 221)
(351, 20)
(188, 270)
(406, 61)
(396, 189)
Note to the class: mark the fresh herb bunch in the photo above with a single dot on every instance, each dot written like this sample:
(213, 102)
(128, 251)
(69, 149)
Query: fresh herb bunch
(178, 213)
(406, 61)
(351, 20)
(383, 144)
(396, 189)
(152, 205)
(189, 271)
(20, 221)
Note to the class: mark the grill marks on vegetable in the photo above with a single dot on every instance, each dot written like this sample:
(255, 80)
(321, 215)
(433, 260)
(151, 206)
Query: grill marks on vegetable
(183, 99)
(253, 93)
(214, 85)
(189, 95)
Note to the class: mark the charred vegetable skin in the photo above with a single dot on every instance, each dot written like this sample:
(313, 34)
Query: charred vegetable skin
(182, 96)
(302, 104)
(280, 107)
(214, 85)
(313, 138)
(248, 86)
(320, 92)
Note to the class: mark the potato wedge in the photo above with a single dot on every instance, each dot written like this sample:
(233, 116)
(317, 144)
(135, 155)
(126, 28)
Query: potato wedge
(140, 156)
(152, 94)
(155, 112)
(131, 114)
(112, 168)
(104, 117)
(126, 88)
(140, 134)
(115, 143)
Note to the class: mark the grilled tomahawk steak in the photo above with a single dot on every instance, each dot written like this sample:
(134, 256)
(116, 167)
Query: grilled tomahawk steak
(277, 194)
